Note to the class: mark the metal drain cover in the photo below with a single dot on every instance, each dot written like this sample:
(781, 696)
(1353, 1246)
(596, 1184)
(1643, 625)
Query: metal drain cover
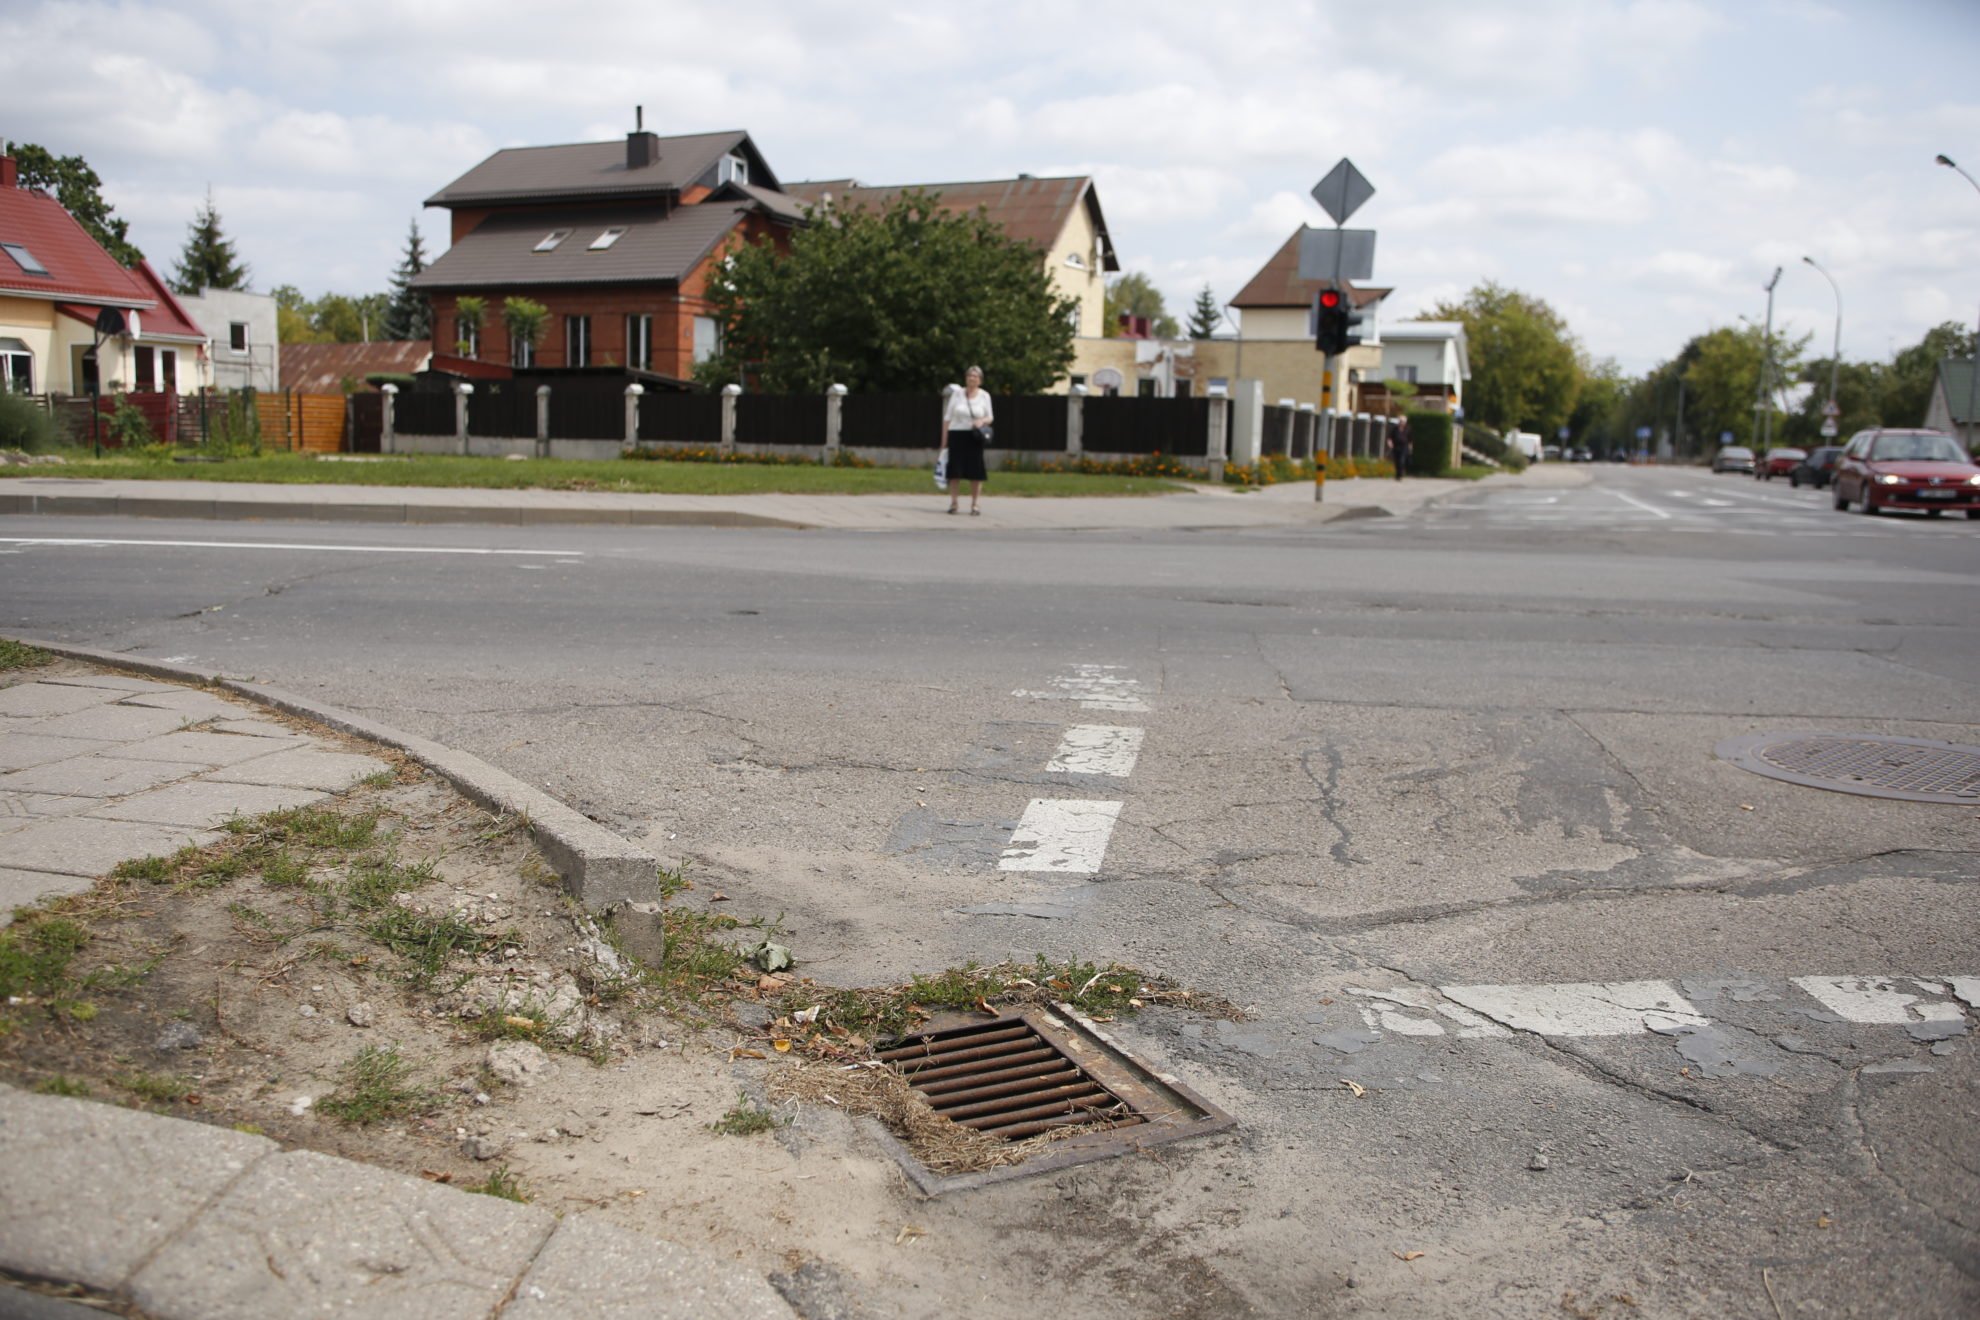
(1872, 765)
(1030, 1072)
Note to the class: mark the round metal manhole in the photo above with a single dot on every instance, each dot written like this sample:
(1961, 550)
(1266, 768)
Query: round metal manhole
(1909, 769)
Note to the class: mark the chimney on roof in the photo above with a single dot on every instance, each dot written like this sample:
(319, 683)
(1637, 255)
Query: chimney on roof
(10, 173)
(642, 147)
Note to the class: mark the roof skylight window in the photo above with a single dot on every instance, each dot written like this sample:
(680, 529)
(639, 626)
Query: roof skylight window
(25, 259)
(549, 241)
(607, 239)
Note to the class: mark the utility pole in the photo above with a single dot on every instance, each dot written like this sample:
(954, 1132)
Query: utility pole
(1763, 406)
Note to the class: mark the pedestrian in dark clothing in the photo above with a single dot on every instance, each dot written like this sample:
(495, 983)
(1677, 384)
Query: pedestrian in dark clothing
(1399, 447)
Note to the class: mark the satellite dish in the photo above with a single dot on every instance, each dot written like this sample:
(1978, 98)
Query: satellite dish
(109, 321)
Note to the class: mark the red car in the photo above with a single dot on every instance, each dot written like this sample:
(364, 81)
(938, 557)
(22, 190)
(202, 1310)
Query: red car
(1778, 463)
(1888, 469)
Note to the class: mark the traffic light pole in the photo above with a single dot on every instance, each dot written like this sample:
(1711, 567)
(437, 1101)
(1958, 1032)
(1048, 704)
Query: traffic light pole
(1330, 391)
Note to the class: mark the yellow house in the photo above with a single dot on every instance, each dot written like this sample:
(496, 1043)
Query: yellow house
(1275, 335)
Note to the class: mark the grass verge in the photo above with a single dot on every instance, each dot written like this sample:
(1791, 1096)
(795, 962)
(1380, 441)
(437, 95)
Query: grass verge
(19, 655)
(377, 1085)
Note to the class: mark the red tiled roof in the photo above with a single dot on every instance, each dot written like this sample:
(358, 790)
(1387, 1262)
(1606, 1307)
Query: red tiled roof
(168, 317)
(322, 368)
(1277, 284)
(79, 270)
(1032, 211)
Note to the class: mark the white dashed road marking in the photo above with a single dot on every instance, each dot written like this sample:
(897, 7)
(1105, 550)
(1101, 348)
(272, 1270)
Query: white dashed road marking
(1094, 687)
(1889, 999)
(1061, 836)
(1591, 1008)
(1096, 749)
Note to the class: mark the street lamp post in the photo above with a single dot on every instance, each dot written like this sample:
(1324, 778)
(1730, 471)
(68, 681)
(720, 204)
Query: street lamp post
(1764, 406)
(1835, 354)
(1973, 376)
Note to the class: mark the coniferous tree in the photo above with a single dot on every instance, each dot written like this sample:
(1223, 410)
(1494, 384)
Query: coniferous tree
(1205, 315)
(410, 315)
(209, 260)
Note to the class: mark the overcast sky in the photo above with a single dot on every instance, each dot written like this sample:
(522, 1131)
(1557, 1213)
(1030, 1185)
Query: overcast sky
(1643, 166)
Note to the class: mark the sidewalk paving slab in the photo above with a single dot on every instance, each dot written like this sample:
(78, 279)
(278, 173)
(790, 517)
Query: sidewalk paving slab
(115, 682)
(75, 845)
(20, 888)
(20, 750)
(595, 1271)
(305, 1234)
(204, 805)
(333, 772)
(122, 723)
(194, 705)
(96, 776)
(92, 1190)
(213, 750)
(35, 701)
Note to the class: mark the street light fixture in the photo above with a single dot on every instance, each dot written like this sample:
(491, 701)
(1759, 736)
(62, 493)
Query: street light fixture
(1835, 355)
(1973, 379)
(1764, 423)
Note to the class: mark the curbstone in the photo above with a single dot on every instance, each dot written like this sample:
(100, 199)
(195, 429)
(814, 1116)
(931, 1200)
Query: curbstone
(308, 1234)
(92, 1190)
(596, 865)
(595, 1271)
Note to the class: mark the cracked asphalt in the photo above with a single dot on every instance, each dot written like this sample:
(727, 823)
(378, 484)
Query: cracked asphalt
(1391, 769)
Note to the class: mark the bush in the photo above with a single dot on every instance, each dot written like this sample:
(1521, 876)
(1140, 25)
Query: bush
(1430, 450)
(1146, 465)
(26, 425)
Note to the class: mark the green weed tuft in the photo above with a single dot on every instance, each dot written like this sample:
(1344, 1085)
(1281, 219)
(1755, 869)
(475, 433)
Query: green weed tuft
(376, 1086)
(504, 1184)
(19, 655)
(745, 1119)
(154, 1088)
(60, 1085)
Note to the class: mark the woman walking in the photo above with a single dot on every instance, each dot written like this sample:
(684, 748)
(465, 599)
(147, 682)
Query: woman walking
(965, 429)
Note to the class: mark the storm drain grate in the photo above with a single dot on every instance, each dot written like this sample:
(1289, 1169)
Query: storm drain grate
(1908, 769)
(1027, 1073)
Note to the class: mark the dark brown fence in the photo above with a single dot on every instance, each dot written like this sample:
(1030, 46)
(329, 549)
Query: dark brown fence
(684, 418)
(1034, 423)
(1272, 438)
(893, 421)
(587, 410)
(367, 431)
(1146, 426)
(502, 410)
(425, 412)
(780, 419)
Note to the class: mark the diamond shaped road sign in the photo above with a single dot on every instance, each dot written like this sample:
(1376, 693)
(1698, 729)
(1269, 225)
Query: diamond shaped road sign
(1343, 191)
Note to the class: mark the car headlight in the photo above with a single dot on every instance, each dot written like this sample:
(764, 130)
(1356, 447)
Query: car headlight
(1973, 480)
(1886, 479)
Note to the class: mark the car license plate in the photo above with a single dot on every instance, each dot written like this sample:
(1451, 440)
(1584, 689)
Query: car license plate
(1936, 494)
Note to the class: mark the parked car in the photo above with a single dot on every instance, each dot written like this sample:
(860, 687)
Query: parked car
(1584, 455)
(1778, 463)
(1733, 458)
(1548, 453)
(1818, 469)
(1892, 469)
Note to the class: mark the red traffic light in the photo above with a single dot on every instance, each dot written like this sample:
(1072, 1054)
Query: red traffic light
(1330, 299)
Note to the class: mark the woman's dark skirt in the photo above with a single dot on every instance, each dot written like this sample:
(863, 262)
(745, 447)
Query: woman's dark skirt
(966, 456)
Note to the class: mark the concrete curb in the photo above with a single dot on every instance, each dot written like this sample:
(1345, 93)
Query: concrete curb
(220, 509)
(596, 865)
(195, 1222)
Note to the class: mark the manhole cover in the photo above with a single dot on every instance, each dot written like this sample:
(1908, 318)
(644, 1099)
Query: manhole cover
(1017, 1076)
(1909, 769)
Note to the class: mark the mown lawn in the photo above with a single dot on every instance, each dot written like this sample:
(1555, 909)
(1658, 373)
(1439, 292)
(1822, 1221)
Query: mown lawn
(672, 478)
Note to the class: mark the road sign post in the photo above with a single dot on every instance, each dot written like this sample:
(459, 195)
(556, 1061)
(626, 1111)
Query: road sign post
(1330, 257)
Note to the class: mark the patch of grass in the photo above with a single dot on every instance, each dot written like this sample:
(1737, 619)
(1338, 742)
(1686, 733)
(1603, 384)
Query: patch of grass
(37, 958)
(383, 779)
(428, 942)
(311, 827)
(150, 870)
(695, 956)
(658, 475)
(373, 879)
(60, 1085)
(745, 1119)
(503, 825)
(19, 655)
(673, 882)
(377, 1085)
(154, 1088)
(504, 1184)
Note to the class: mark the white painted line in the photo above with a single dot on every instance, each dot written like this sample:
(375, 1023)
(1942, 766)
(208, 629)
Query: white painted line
(1883, 999)
(1096, 749)
(1718, 504)
(1641, 504)
(1061, 836)
(1094, 687)
(1406, 1011)
(1594, 1008)
(282, 545)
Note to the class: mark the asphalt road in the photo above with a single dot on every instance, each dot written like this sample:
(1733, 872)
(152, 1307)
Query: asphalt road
(1433, 798)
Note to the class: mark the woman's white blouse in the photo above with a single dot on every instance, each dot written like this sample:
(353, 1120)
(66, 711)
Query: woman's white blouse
(964, 412)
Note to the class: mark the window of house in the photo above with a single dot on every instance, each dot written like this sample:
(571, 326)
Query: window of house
(1406, 373)
(1144, 388)
(16, 367)
(731, 169)
(639, 341)
(1182, 389)
(707, 338)
(607, 239)
(23, 258)
(1077, 378)
(237, 332)
(1220, 387)
(522, 352)
(168, 370)
(144, 368)
(549, 242)
(577, 341)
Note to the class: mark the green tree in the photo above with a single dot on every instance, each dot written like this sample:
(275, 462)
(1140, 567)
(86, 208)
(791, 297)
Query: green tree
(1914, 371)
(341, 318)
(891, 301)
(525, 320)
(1132, 295)
(1525, 365)
(209, 260)
(1597, 419)
(1205, 316)
(294, 317)
(75, 185)
(410, 315)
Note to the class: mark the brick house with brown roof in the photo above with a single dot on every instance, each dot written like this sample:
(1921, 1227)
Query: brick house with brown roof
(616, 240)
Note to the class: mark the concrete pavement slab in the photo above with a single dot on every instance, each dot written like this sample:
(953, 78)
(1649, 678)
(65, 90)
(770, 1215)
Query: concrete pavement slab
(21, 888)
(252, 728)
(96, 776)
(118, 723)
(19, 750)
(36, 700)
(202, 804)
(332, 772)
(186, 701)
(117, 682)
(20, 810)
(214, 749)
(73, 845)
(306, 1234)
(91, 1190)
(596, 1271)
